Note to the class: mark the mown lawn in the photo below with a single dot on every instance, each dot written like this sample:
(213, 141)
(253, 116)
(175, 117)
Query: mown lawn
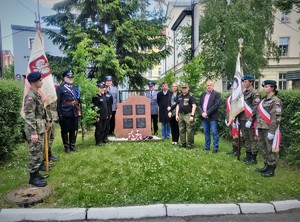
(141, 173)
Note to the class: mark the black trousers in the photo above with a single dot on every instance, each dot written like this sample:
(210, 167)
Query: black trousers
(154, 119)
(174, 129)
(100, 131)
(112, 123)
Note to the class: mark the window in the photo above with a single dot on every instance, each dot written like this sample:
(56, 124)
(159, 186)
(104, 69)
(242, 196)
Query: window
(284, 18)
(282, 81)
(284, 45)
(159, 71)
(30, 42)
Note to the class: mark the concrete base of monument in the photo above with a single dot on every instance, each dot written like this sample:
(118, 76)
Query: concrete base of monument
(145, 139)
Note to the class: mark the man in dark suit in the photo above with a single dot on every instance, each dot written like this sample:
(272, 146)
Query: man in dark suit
(208, 106)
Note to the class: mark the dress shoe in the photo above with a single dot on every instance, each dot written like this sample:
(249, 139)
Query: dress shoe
(53, 158)
(215, 151)
(189, 147)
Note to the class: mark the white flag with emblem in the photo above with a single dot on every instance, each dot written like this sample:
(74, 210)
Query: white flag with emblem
(237, 96)
(38, 62)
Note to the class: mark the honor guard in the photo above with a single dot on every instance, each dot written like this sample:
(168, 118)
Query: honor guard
(35, 128)
(69, 110)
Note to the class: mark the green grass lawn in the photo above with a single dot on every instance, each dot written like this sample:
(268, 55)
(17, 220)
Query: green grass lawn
(141, 173)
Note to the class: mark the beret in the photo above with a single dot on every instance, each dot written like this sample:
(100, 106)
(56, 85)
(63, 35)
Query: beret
(269, 82)
(101, 85)
(108, 78)
(151, 84)
(247, 77)
(68, 73)
(34, 76)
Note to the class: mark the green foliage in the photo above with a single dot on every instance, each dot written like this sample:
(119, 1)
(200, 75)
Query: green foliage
(9, 72)
(288, 5)
(142, 173)
(88, 89)
(239, 19)
(123, 43)
(10, 122)
(169, 78)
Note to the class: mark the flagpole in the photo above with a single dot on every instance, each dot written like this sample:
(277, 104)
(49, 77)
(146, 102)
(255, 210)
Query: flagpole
(240, 41)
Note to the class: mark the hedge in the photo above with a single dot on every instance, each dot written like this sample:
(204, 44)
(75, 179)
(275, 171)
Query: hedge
(11, 94)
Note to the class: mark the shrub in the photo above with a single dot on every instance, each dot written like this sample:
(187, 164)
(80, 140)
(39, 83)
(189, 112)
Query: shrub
(11, 94)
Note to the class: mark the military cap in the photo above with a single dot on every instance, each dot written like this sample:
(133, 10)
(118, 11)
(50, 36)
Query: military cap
(184, 85)
(151, 84)
(34, 76)
(108, 78)
(248, 77)
(269, 82)
(101, 85)
(68, 73)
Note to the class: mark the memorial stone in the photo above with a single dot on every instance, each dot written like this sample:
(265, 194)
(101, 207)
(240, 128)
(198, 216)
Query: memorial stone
(133, 114)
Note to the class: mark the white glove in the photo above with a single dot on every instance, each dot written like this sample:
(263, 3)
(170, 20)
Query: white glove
(225, 121)
(248, 124)
(270, 136)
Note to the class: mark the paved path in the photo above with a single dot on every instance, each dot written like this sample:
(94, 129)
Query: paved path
(158, 212)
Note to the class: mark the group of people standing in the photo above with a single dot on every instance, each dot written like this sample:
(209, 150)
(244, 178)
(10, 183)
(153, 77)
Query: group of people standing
(258, 124)
(39, 120)
(176, 111)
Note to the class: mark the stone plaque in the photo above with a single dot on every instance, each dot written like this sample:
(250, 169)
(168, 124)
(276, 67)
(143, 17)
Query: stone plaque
(140, 109)
(141, 123)
(133, 114)
(127, 110)
(127, 123)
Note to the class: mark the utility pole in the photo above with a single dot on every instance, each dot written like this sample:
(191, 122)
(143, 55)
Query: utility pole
(1, 55)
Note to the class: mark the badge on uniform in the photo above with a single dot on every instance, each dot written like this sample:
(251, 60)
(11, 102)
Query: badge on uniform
(278, 108)
(257, 99)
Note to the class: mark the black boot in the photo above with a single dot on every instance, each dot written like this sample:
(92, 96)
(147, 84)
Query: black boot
(42, 177)
(248, 157)
(252, 159)
(233, 152)
(72, 138)
(263, 169)
(270, 172)
(36, 181)
(65, 140)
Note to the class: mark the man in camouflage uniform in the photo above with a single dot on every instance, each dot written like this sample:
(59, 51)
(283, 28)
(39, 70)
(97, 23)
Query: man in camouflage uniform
(35, 127)
(185, 115)
(247, 119)
(268, 120)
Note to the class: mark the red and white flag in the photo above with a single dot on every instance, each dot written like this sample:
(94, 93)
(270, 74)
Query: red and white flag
(237, 97)
(38, 62)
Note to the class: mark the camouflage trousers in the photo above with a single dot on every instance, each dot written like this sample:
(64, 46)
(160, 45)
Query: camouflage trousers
(265, 145)
(36, 152)
(186, 129)
(248, 137)
(51, 135)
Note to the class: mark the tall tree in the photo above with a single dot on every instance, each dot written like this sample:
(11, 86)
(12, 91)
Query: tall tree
(224, 22)
(123, 42)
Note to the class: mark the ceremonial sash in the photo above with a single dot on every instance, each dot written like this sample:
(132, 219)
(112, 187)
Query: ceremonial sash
(248, 110)
(264, 113)
(276, 140)
(228, 104)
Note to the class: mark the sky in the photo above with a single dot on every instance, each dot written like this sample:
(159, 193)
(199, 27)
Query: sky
(21, 12)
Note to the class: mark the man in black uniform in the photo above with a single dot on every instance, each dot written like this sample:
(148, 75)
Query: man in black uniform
(102, 120)
(68, 108)
(110, 101)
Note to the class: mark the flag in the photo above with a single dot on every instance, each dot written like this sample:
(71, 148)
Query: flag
(237, 97)
(38, 62)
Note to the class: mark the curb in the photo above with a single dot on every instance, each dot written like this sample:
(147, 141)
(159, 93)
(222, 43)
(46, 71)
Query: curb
(137, 212)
